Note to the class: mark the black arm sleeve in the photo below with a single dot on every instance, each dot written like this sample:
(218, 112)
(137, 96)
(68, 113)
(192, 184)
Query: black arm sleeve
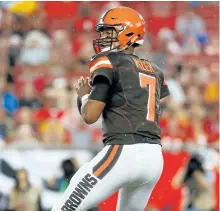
(164, 88)
(104, 74)
(100, 90)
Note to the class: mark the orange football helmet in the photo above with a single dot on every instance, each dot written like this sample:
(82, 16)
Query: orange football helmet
(129, 26)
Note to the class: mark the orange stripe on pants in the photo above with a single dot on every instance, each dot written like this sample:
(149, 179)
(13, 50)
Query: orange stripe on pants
(107, 162)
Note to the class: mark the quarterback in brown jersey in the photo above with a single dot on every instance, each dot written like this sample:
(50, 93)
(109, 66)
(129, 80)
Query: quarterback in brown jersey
(126, 91)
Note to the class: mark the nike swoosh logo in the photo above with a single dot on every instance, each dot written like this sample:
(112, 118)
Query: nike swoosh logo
(113, 18)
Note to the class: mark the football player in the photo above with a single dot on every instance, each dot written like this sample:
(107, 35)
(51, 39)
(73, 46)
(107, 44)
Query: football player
(126, 91)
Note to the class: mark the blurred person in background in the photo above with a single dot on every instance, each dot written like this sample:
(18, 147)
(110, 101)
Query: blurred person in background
(6, 127)
(25, 135)
(160, 54)
(69, 168)
(193, 109)
(191, 28)
(37, 75)
(36, 49)
(83, 35)
(3, 128)
(16, 44)
(161, 16)
(211, 126)
(176, 91)
(24, 196)
(8, 100)
(83, 51)
(28, 97)
(168, 36)
(199, 178)
(52, 131)
(60, 184)
(211, 92)
(61, 53)
(212, 47)
(86, 20)
(60, 91)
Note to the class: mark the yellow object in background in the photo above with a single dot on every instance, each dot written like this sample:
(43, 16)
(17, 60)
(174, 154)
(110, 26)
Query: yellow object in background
(23, 7)
(211, 93)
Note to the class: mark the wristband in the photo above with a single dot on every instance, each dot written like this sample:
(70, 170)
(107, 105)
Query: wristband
(84, 98)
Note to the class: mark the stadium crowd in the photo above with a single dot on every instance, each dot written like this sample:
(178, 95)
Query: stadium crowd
(46, 46)
(45, 49)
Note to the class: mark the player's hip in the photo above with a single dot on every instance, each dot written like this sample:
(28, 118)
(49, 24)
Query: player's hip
(139, 162)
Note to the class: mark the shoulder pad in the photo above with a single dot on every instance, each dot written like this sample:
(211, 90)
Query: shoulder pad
(99, 61)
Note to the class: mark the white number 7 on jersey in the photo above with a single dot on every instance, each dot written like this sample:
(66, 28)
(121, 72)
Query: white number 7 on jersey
(151, 81)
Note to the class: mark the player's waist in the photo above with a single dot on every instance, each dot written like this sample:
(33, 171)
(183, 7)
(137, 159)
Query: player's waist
(130, 138)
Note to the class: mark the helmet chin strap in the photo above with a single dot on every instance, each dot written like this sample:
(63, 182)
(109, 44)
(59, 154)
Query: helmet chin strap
(109, 48)
(105, 49)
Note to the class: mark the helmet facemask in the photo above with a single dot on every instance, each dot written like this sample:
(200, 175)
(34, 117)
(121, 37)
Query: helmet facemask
(108, 40)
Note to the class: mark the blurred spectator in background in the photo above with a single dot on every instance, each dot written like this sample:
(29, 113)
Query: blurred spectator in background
(212, 48)
(168, 36)
(211, 89)
(160, 53)
(61, 53)
(45, 46)
(82, 48)
(52, 133)
(36, 49)
(3, 127)
(86, 21)
(25, 131)
(61, 92)
(161, 17)
(6, 126)
(69, 168)
(29, 98)
(191, 28)
(199, 178)
(8, 100)
(38, 76)
(176, 91)
(14, 50)
(24, 196)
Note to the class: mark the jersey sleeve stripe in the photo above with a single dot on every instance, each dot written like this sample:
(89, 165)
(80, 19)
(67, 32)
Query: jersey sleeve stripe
(103, 58)
(101, 64)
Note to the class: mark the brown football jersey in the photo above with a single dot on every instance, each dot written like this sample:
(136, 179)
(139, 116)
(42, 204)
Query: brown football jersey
(131, 114)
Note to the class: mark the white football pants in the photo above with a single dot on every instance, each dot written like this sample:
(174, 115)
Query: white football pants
(132, 169)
